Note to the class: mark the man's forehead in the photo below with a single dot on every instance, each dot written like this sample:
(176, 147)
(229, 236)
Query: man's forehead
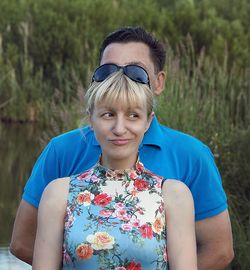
(127, 53)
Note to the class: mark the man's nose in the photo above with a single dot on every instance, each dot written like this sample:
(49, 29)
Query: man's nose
(119, 127)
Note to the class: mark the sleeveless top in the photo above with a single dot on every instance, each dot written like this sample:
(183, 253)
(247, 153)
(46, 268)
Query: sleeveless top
(115, 219)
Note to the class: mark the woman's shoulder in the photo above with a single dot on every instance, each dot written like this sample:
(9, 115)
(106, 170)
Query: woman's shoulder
(57, 185)
(175, 192)
(56, 192)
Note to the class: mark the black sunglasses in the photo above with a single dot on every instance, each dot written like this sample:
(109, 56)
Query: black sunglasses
(134, 72)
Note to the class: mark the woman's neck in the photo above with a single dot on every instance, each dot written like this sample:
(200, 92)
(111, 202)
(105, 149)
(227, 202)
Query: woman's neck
(118, 164)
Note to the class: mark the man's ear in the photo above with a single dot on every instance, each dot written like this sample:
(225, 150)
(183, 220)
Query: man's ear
(160, 83)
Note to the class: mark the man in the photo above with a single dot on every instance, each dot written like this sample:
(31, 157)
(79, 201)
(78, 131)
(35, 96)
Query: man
(164, 151)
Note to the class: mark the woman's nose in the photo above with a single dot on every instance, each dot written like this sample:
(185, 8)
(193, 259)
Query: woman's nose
(119, 127)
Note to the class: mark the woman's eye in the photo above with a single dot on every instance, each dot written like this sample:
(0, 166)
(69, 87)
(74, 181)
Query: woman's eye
(107, 115)
(133, 115)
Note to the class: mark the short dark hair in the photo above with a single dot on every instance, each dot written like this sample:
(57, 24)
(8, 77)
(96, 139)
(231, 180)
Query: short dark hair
(137, 34)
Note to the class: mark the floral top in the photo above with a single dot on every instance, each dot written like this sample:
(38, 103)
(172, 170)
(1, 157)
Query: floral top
(115, 220)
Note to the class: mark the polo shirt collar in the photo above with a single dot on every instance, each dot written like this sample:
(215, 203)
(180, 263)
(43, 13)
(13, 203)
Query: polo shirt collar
(153, 136)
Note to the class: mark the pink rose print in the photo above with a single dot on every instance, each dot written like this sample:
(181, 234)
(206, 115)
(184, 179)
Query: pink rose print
(140, 210)
(161, 207)
(106, 213)
(122, 214)
(133, 175)
(119, 205)
(134, 222)
(66, 257)
(102, 199)
(127, 227)
(133, 266)
(146, 231)
(141, 184)
(158, 181)
(139, 167)
(85, 175)
(94, 179)
(69, 218)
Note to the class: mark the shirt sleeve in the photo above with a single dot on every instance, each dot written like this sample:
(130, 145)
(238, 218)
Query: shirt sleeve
(206, 186)
(45, 170)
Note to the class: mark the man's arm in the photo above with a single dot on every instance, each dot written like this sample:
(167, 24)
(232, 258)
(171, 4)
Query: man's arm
(24, 232)
(214, 242)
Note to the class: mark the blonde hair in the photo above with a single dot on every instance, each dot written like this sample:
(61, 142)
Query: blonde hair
(119, 88)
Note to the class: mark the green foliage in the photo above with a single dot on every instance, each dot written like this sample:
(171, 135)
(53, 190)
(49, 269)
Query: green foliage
(234, 165)
(212, 102)
(44, 42)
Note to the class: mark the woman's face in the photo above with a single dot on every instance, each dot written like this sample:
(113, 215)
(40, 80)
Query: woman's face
(119, 130)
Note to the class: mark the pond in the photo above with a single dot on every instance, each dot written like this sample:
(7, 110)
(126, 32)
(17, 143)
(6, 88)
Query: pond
(9, 262)
(19, 147)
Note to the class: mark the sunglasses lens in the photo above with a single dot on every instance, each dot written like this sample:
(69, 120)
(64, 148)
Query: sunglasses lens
(137, 74)
(104, 71)
(134, 72)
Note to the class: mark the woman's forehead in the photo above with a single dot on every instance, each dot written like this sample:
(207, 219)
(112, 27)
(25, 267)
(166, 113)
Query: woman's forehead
(119, 105)
(122, 101)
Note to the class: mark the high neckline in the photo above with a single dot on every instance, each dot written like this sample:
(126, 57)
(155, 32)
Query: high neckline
(120, 174)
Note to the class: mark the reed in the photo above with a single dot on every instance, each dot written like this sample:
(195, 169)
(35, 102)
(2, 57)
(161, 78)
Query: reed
(212, 102)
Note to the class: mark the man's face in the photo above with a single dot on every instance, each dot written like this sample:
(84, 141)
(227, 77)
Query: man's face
(134, 53)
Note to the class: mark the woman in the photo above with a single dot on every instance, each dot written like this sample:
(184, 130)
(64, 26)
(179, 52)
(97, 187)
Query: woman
(117, 215)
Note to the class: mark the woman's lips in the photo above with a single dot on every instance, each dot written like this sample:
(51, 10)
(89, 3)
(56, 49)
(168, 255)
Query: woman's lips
(119, 141)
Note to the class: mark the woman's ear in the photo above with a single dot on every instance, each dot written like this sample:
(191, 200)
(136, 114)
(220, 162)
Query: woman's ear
(150, 118)
(89, 119)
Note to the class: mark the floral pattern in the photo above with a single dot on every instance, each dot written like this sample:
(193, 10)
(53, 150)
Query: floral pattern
(115, 220)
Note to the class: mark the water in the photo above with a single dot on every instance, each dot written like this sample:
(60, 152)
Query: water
(19, 147)
(9, 262)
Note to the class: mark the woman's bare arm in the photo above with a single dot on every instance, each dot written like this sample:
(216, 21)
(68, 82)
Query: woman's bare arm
(49, 237)
(179, 207)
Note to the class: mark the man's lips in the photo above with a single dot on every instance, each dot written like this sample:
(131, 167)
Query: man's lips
(119, 141)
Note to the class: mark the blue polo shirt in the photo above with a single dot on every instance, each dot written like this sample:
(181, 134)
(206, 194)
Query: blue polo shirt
(164, 151)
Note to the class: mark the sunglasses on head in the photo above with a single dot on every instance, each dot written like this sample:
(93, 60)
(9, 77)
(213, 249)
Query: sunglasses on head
(134, 72)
